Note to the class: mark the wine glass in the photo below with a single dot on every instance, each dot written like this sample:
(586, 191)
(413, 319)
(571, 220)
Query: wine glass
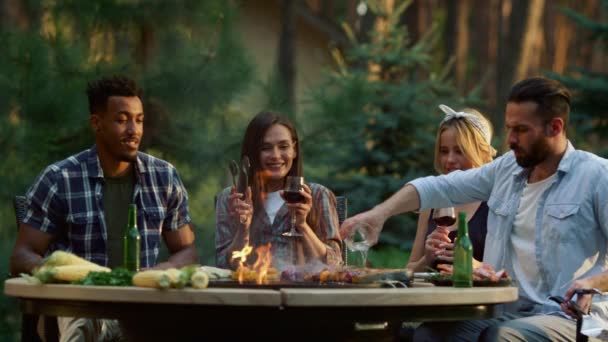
(357, 240)
(444, 217)
(293, 186)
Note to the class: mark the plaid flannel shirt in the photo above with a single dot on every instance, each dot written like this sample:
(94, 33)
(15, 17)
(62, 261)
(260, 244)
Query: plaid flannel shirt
(66, 200)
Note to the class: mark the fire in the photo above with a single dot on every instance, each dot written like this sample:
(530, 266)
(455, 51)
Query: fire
(263, 262)
(242, 255)
(259, 270)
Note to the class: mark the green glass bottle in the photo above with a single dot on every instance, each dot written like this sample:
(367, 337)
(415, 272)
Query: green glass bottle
(463, 255)
(131, 242)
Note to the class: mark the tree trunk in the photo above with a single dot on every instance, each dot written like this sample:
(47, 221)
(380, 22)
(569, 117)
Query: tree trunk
(286, 58)
(457, 38)
(531, 36)
(516, 42)
(484, 14)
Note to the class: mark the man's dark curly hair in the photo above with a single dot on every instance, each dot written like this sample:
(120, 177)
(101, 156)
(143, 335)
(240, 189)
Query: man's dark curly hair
(99, 90)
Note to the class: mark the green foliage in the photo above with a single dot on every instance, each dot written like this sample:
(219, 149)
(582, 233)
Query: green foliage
(589, 116)
(387, 256)
(377, 118)
(117, 277)
(185, 54)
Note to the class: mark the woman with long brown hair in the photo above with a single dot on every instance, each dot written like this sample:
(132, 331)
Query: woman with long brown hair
(262, 216)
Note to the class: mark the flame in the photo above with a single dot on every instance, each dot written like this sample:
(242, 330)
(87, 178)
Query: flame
(242, 255)
(259, 270)
(262, 263)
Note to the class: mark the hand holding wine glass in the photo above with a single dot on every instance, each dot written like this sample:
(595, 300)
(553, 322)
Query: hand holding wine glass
(298, 203)
(357, 240)
(439, 246)
(444, 217)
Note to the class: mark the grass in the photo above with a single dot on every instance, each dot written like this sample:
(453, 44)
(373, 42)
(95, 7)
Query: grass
(382, 257)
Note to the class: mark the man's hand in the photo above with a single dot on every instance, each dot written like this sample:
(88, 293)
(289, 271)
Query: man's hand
(582, 300)
(372, 220)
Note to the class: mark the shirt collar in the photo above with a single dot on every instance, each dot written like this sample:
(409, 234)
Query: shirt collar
(94, 165)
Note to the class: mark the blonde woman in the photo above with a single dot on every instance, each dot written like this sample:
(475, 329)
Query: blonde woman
(463, 142)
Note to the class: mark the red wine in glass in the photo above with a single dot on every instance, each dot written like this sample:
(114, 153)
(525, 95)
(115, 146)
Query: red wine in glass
(293, 197)
(444, 217)
(444, 221)
(292, 194)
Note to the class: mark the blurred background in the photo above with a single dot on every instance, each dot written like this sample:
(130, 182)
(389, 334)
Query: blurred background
(361, 79)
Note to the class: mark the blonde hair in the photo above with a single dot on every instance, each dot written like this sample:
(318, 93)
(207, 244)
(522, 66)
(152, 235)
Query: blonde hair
(475, 147)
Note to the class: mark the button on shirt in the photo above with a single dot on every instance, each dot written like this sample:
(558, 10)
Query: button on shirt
(66, 201)
(571, 221)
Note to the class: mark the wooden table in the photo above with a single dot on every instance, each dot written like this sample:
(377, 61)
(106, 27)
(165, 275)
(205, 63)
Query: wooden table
(246, 312)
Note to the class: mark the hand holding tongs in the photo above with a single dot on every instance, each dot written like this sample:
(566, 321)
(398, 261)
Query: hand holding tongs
(240, 174)
(244, 175)
(234, 171)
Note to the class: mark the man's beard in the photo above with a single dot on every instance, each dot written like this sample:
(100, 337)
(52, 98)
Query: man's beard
(539, 151)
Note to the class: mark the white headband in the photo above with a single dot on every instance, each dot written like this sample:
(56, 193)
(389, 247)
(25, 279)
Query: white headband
(474, 120)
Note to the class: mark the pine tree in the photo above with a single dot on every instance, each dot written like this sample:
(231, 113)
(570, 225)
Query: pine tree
(589, 116)
(377, 118)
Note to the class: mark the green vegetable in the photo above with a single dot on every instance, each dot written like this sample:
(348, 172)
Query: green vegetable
(118, 277)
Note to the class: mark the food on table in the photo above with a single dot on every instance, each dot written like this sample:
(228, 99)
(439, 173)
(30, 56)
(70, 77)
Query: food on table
(62, 258)
(484, 272)
(68, 273)
(158, 279)
(251, 275)
(217, 273)
(62, 266)
(200, 279)
(345, 274)
(117, 277)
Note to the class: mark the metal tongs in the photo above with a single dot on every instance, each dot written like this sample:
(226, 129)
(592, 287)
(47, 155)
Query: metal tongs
(240, 174)
(577, 309)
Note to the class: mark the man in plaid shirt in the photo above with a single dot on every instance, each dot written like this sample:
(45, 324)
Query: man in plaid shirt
(80, 204)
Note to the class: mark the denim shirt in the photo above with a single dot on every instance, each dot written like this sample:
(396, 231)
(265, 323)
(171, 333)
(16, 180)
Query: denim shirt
(571, 220)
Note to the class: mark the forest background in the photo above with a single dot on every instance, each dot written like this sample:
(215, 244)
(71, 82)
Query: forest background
(361, 79)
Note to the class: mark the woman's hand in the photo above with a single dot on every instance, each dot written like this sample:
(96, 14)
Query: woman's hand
(240, 207)
(301, 209)
(438, 246)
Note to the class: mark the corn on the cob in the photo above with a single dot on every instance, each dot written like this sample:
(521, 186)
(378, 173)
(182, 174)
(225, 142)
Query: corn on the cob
(186, 273)
(61, 258)
(199, 279)
(175, 276)
(75, 272)
(158, 279)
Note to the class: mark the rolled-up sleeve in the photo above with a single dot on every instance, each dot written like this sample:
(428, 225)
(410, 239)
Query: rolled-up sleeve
(178, 213)
(44, 204)
(457, 187)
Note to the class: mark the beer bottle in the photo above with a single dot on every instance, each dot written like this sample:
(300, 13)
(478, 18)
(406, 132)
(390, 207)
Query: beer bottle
(131, 242)
(463, 255)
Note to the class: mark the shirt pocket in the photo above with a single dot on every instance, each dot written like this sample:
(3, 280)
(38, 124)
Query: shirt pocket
(561, 220)
(83, 226)
(500, 210)
(152, 219)
(498, 207)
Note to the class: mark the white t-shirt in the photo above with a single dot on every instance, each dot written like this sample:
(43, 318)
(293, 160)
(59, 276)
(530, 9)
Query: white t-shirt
(523, 239)
(274, 202)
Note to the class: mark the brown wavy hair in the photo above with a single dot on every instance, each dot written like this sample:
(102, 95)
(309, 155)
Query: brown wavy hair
(251, 147)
